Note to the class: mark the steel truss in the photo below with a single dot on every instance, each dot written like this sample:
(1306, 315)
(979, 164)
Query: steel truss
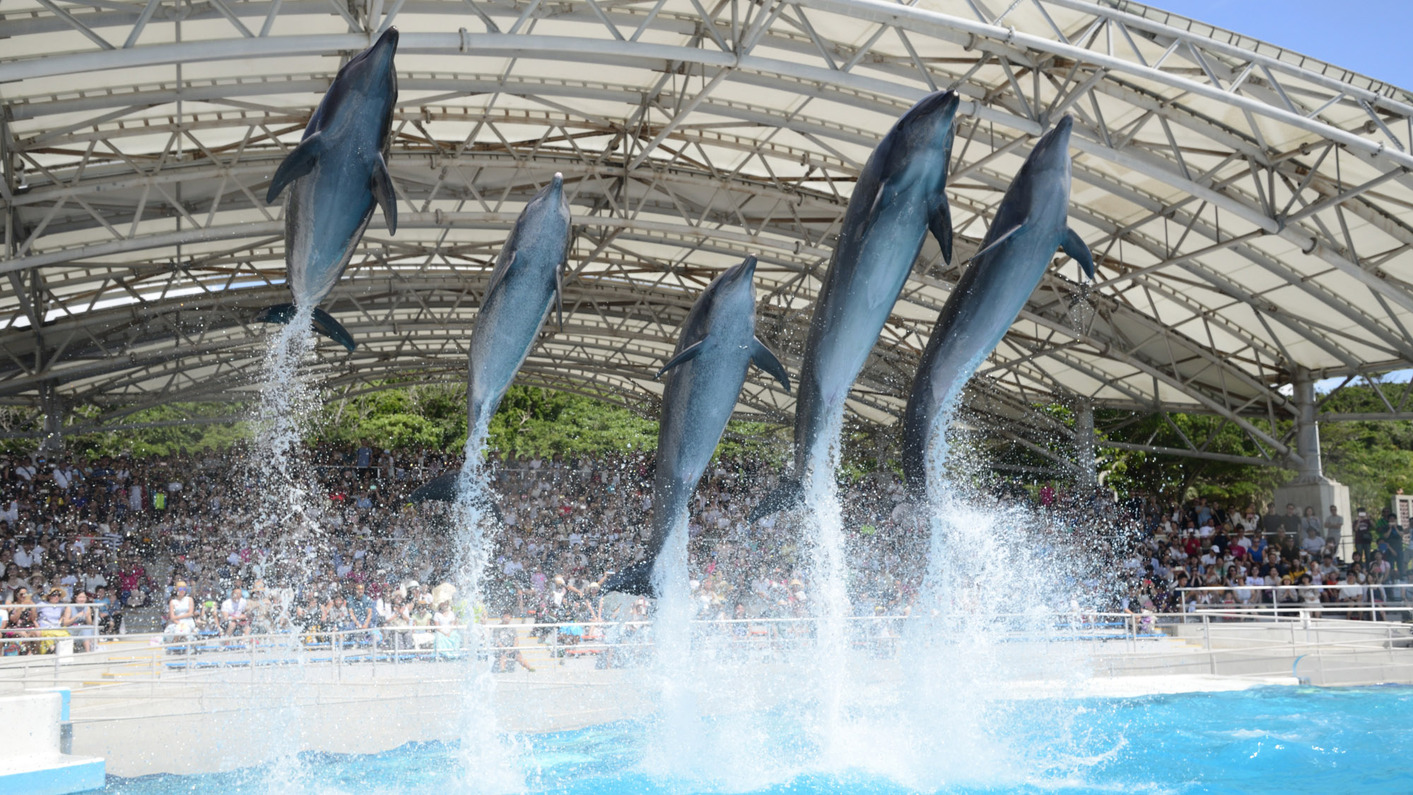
(1243, 202)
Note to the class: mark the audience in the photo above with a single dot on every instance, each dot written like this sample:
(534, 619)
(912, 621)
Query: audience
(118, 534)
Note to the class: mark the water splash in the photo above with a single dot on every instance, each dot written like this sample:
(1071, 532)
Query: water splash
(489, 759)
(676, 748)
(287, 514)
(828, 574)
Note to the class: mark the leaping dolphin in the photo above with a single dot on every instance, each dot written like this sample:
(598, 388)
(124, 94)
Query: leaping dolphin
(339, 171)
(899, 196)
(528, 279)
(1030, 224)
(704, 377)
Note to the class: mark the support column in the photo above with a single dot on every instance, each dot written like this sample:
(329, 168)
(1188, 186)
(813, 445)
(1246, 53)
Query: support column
(1086, 475)
(1310, 487)
(53, 407)
(1307, 434)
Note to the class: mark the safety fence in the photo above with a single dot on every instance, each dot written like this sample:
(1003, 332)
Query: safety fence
(1264, 644)
(1347, 600)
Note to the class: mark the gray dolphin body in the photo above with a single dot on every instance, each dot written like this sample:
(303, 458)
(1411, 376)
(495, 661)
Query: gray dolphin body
(339, 171)
(1030, 225)
(704, 377)
(526, 283)
(899, 196)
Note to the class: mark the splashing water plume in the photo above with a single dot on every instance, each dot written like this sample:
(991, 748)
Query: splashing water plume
(828, 574)
(678, 731)
(287, 513)
(489, 761)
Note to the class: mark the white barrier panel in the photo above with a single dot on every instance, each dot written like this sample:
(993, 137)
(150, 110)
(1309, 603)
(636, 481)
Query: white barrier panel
(32, 761)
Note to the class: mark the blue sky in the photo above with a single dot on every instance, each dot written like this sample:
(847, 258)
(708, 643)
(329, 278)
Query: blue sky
(1367, 36)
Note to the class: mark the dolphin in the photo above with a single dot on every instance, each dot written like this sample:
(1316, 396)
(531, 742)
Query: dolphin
(338, 171)
(1030, 224)
(527, 281)
(717, 345)
(899, 197)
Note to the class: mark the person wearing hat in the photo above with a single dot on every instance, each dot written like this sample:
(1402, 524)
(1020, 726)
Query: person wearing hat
(51, 617)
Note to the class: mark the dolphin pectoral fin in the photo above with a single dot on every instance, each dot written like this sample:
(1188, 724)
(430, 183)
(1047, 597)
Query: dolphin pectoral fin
(440, 489)
(384, 194)
(941, 225)
(787, 495)
(295, 165)
(279, 313)
(559, 295)
(766, 360)
(685, 356)
(1079, 251)
(326, 325)
(998, 241)
(503, 265)
(637, 580)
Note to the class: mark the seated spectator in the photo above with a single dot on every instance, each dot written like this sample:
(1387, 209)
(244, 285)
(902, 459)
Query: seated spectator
(51, 620)
(235, 614)
(81, 621)
(181, 613)
(1310, 596)
(447, 637)
(23, 621)
(110, 620)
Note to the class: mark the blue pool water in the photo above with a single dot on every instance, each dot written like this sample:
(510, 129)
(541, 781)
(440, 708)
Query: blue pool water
(1275, 739)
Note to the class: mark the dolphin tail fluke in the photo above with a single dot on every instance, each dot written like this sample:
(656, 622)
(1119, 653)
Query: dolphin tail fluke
(439, 489)
(323, 322)
(787, 495)
(637, 579)
(1074, 246)
(326, 325)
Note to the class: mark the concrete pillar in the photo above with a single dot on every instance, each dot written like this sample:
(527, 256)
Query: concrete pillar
(1310, 487)
(1307, 434)
(1086, 476)
(53, 407)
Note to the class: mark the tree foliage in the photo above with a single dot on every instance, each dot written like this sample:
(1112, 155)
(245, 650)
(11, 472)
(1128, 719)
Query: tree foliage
(1374, 459)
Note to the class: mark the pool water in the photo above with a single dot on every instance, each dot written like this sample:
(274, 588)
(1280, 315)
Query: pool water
(1272, 739)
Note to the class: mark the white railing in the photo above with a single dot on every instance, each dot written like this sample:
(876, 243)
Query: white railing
(1373, 601)
(158, 659)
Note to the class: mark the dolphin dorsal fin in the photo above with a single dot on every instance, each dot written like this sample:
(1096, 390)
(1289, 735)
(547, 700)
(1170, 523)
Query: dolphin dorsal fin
(384, 194)
(296, 164)
(1076, 248)
(941, 225)
(689, 353)
(766, 360)
(998, 241)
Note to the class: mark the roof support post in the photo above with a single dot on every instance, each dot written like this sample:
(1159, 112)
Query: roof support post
(1086, 476)
(1310, 487)
(1307, 435)
(53, 407)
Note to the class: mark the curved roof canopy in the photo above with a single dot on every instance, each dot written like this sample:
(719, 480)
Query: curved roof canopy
(1245, 204)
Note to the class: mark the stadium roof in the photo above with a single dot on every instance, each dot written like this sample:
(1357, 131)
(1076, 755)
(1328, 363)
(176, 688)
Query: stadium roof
(1246, 204)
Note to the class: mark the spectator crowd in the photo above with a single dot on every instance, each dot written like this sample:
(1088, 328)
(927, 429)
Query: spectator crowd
(88, 545)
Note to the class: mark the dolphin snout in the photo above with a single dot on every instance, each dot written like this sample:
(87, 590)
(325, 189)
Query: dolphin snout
(557, 181)
(388, 39)
(938, 102)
